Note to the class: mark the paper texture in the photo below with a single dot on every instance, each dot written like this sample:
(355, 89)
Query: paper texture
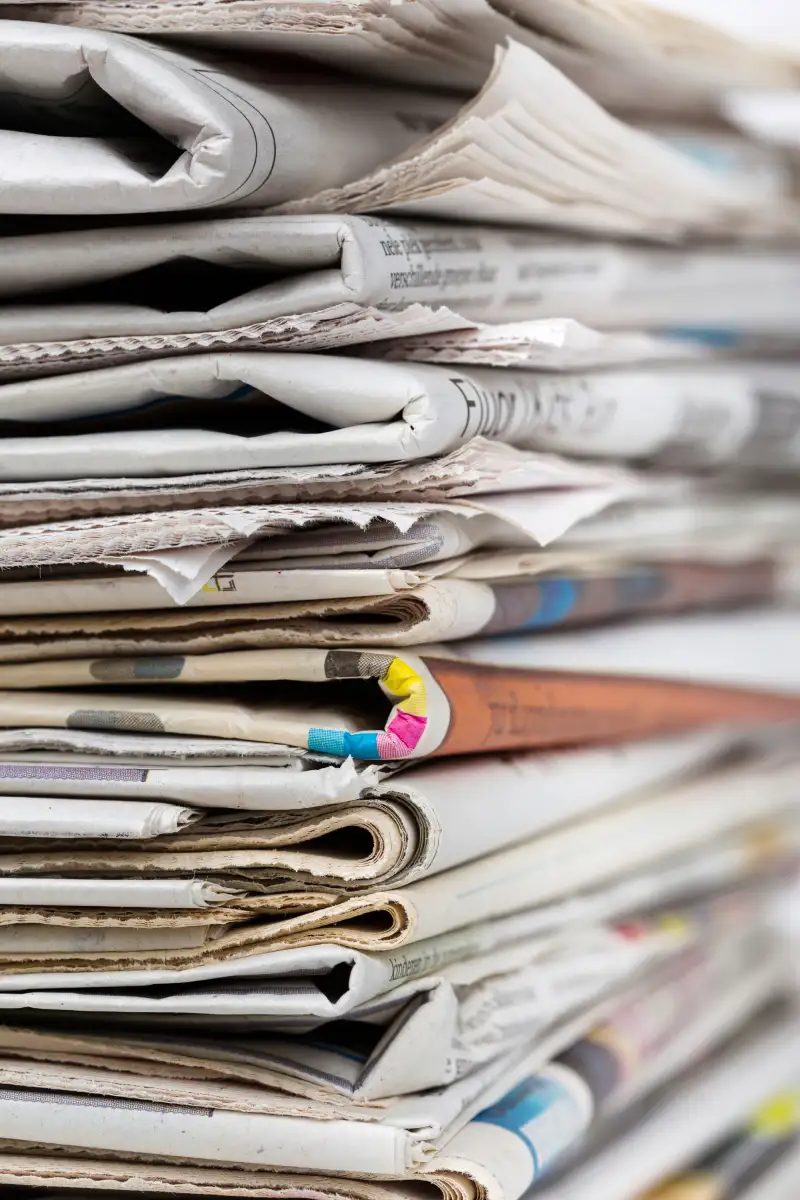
(544, 1082)
(480, 468)
(547, 345)
(504, 519)
(286, 989)
(242, 141)
(472, 1013)
(161, 130)
(492, 159)
(58, 818)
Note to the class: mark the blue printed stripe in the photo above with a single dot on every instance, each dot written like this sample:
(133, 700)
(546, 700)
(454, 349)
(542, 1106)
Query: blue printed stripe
(557, 598)
(344, 744)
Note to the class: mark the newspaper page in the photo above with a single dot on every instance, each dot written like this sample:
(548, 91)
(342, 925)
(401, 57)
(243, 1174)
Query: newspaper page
(195, 772)
(443, 610)
(300, 145)
(450, 43)
(490, 161)
(547, 345)
(161, 130)
(486, 695)
(738, 1164)
(409, 828)
(230, 412)
(397, 1145)
(473, 1012)
(482, 468)
(620, 841)
(284, 989)
(226, 283)
(183, 550)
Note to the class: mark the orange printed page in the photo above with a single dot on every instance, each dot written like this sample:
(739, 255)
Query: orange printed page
(494, 708)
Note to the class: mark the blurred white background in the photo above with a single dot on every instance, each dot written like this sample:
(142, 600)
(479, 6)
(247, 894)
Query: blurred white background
(767, 20)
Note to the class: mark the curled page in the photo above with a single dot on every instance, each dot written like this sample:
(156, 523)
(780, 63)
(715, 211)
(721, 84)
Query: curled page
(507, 157)
(247, 989)
(646, 839)
(218, 134)
(495, 694)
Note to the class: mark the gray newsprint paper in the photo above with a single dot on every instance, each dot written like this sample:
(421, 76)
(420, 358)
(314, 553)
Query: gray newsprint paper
(162, 130)
(450, 43)
(233, 412)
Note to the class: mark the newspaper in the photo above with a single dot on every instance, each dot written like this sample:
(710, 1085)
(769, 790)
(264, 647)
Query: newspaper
(54, 817)
(76, 299)
(184, 549)
(289, 990)
(442, 610)
(220, 928)
(229, 412)
(393, 832)
(253, 412)
(476, 1011)
(475, 696)
(506, 158)
(162, 130)
(547, 344)
(686, 1123)
(264, 572)
(307, 145)
(480, 468)
(470, 1128)
(747, 1158)
(610, 51)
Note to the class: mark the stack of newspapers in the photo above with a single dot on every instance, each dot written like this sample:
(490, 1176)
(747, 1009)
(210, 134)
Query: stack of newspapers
(399, 604)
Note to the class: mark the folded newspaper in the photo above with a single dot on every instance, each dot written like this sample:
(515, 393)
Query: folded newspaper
(466, 1014)
(71, 917)
(160, 129)
(475, 696)
(610, 50)
(442, 610)
(686, 1119)
(231, 412)
(417, 825)
(492, 1125)
(392, 832)
(87, 297)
